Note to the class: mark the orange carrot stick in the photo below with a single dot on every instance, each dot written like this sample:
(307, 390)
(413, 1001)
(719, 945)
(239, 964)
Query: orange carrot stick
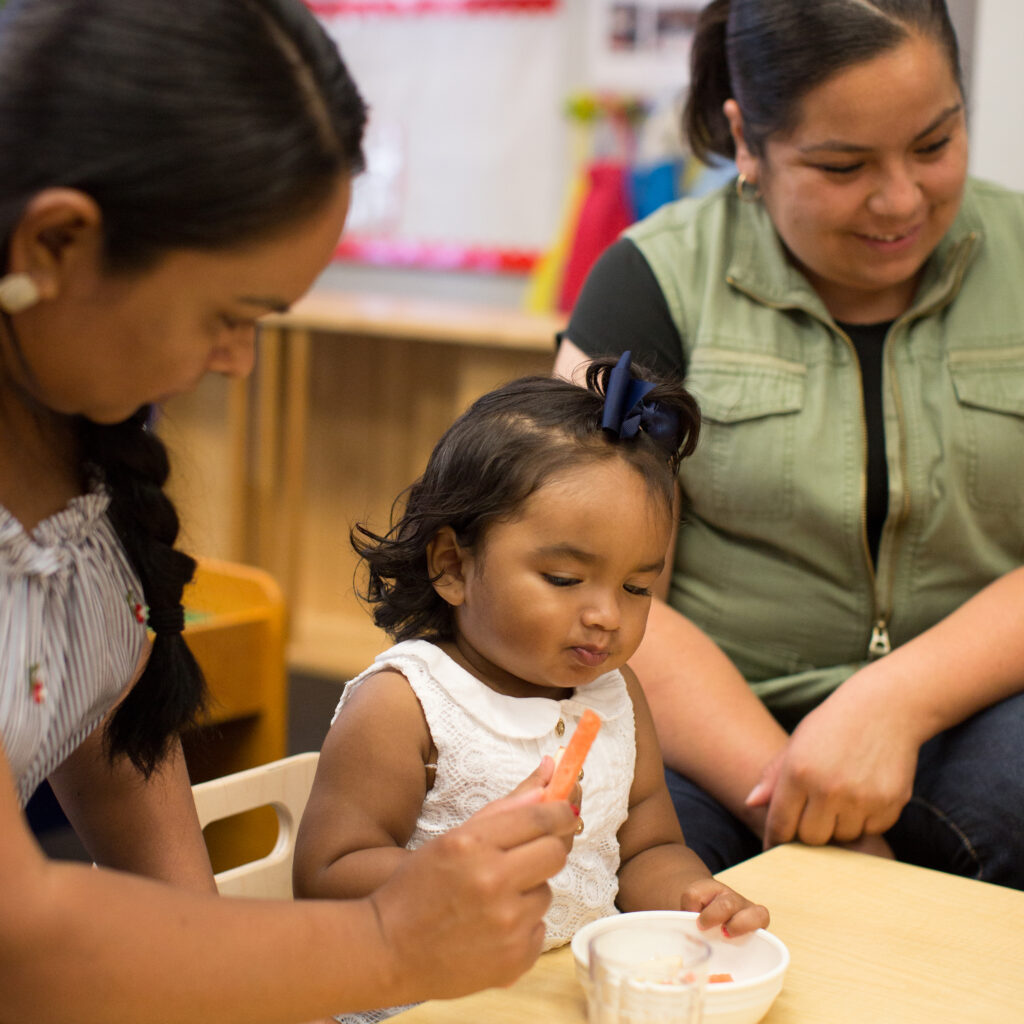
(568, 768)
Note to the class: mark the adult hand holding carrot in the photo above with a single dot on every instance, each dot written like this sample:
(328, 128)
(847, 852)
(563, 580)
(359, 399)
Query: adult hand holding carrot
(464, 912)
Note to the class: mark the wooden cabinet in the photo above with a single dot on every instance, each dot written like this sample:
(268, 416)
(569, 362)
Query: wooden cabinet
(348, 398)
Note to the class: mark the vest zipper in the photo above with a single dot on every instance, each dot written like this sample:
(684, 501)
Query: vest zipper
(880, 644)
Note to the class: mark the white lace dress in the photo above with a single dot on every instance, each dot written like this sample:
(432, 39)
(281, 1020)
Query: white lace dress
(70, 638)
(487, 743)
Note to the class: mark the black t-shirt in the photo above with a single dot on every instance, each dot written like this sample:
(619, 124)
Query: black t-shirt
(868, 340)
(621, 306)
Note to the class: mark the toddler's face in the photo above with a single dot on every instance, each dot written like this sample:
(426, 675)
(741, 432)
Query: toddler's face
(560, 595)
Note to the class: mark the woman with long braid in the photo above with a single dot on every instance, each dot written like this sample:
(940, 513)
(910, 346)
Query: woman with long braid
(169, 173)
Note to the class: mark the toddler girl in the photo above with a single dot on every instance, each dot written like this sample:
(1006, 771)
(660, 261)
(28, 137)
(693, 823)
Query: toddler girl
(517, 584)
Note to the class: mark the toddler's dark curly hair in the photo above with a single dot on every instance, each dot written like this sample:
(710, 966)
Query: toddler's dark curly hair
(507, 445)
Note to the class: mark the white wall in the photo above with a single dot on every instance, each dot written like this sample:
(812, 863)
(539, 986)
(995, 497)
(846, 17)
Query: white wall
(997, 92)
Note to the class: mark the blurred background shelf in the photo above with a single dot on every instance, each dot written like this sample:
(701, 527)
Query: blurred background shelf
(349, 396)
(235, 629)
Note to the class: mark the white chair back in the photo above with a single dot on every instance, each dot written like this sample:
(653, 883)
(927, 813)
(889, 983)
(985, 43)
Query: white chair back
(283, 785)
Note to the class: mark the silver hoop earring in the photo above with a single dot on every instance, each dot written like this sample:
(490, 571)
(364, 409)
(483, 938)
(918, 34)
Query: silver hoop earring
(18, 292)
(746, 190)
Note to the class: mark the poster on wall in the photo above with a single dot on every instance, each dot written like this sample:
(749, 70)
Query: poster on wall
(334, 8)
(641, 46)
(465, 139)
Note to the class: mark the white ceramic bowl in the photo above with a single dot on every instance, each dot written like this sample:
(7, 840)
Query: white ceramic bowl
(757, 963)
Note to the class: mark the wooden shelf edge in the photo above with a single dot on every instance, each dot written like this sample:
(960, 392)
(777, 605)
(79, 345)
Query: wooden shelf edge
(422, 320)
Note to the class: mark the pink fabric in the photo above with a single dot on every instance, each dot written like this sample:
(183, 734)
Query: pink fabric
(605, 213)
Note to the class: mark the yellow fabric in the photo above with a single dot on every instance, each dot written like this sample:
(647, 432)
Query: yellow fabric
(546, 279)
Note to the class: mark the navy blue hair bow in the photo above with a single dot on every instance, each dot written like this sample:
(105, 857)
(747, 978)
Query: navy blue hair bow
(627, 412)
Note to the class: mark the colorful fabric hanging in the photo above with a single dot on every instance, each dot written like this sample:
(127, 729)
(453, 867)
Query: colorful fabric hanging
(606, 211)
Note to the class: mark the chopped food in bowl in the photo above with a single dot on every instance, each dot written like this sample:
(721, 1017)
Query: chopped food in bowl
(745, 973)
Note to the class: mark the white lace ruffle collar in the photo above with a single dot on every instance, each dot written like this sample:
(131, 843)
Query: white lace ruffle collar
(517, 717)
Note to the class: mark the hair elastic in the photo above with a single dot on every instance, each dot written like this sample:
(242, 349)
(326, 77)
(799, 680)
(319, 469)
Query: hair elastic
(167, 620)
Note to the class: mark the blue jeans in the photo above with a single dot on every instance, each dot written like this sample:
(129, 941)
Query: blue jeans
(966, 816)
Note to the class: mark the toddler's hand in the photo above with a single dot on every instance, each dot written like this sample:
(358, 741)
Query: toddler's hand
(723, 907)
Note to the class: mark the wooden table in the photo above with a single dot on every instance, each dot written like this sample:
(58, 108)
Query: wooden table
(872, 942)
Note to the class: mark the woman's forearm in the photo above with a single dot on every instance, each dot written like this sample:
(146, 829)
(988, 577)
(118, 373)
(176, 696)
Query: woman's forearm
(968, 661)
(711, 726)
(118, 948)
(849, 768)
(462, 913)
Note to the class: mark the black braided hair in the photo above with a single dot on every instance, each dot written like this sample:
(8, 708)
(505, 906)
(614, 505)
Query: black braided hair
(171, 692)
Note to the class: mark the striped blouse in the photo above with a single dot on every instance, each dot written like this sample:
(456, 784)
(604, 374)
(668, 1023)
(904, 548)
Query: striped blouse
(70, 635)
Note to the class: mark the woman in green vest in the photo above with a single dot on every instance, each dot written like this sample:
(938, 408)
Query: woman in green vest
(840, 657)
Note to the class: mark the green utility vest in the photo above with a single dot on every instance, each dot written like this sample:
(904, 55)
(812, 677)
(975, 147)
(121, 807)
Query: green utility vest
(772, 559)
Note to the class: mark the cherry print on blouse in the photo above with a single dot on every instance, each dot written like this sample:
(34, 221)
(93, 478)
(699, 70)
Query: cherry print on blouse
(139, 610)
(36, 686)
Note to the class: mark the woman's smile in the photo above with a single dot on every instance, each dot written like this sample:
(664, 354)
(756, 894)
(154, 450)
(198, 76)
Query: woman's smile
(892, 242)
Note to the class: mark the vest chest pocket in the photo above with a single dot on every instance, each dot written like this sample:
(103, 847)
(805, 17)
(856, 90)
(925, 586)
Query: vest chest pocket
(744, 464)
(989, 387)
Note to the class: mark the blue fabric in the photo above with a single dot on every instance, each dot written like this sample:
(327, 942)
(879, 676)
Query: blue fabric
(711, 831)
(966, 816)
(623, 399)
(627, 410)
(967, 812)
(653, 185)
